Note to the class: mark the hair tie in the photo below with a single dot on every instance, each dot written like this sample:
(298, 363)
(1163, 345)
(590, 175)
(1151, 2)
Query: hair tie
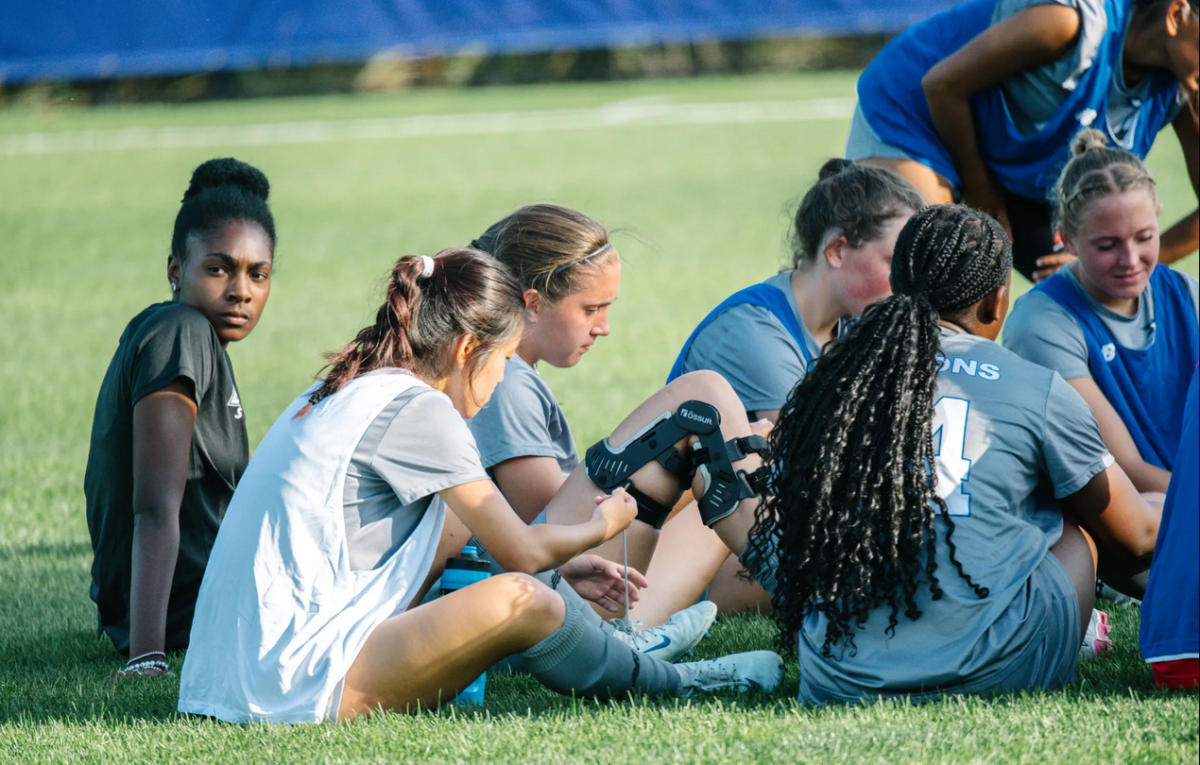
(427, 270)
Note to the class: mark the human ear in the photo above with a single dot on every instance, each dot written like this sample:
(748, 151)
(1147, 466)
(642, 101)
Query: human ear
(835, 250)
(1068, 242)
(174, 273)
(1178, 15)
(464, 347)
(533, 304)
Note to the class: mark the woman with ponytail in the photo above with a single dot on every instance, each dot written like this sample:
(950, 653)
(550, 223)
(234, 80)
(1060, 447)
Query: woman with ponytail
(762, 339)
(929, 491)
(169, 435)
(1117, 324)
(308, 611)
(570, 274)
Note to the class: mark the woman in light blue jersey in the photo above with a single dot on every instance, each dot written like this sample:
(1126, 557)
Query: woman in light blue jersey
(981, 101)
(570, 273)
(924, 535)
(1118, 325)
(763, 338)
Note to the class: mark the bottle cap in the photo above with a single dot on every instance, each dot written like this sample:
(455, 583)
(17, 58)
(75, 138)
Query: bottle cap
(470, 550)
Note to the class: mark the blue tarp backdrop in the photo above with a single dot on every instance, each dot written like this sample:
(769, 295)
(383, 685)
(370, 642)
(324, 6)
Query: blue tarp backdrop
(89, 39)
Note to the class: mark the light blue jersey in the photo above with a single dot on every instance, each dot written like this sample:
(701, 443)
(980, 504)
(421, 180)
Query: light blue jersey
(1012, 439)
(523, 419)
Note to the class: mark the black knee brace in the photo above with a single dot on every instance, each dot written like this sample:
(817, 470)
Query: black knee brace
(724, 486)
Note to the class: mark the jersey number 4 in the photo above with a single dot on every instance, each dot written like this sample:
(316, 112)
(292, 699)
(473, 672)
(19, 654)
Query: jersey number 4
(953, 470)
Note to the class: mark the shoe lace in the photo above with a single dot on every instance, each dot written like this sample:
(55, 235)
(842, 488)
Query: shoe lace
(628, 626)
(716, 673)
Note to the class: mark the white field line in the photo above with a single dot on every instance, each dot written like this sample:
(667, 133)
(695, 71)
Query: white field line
(635, 113)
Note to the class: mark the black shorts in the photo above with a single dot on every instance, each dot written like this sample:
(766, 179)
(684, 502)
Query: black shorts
(1032, 224)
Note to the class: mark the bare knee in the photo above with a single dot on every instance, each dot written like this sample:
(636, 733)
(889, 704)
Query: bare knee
(529, 599)
(709, 387)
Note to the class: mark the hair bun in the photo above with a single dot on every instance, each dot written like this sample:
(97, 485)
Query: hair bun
(1088, 140)
(833, 167)
(228, 172)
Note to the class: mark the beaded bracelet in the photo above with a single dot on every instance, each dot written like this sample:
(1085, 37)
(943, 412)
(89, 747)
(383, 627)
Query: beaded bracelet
(162, 666)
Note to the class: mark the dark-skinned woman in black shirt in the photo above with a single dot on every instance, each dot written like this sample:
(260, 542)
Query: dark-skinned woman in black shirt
(169, 438)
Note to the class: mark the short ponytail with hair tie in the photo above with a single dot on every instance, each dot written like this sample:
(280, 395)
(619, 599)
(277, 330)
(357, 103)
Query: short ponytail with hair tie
(467, 293)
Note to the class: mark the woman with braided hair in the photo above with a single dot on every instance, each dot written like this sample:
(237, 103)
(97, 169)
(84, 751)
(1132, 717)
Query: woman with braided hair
(929, 488)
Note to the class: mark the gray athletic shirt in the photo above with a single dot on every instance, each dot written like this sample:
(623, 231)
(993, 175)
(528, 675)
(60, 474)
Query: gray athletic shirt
(751, 349)
(523, 419)
(417, 446)
(1030, 440)
(1034, 95)
(1042, 331)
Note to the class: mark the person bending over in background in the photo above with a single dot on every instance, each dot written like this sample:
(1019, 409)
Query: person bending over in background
(169, 437)
(981, 101)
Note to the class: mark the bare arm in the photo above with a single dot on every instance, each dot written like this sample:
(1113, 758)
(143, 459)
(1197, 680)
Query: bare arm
(519, 547)
(1117, 516)
(1182, 239)
(162, 444)
(1145, 477)
(1033, 37)
(528, 483)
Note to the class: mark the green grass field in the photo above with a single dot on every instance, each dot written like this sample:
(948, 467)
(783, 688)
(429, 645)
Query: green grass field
(704, 207)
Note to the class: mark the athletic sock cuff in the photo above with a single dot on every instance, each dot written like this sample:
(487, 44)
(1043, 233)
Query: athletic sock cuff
(558, 645)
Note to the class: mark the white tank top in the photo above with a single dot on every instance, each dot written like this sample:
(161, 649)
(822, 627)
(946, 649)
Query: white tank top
(281, 616)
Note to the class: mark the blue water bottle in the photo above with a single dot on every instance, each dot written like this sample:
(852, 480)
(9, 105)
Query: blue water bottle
(466, 569)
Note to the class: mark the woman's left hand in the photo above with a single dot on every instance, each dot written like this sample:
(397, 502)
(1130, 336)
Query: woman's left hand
(602, 581)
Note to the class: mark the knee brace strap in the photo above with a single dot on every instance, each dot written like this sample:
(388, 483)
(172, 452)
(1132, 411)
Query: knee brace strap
(724, 487)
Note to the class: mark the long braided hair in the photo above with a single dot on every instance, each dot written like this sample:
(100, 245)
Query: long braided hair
(849, 526)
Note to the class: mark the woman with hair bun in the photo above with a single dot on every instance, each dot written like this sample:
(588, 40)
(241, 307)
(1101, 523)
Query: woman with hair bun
(1117, 324)
(309, 608)
(169, 436)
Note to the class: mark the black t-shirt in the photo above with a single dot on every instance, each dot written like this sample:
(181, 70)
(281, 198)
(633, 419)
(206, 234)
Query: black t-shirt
(162, 343)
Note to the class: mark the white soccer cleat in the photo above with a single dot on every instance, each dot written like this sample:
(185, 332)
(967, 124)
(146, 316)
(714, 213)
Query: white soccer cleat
(672, 640)
(1095, 638)
(755, 670)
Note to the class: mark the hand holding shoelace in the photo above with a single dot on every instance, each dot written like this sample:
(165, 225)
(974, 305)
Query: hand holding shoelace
(602, 581)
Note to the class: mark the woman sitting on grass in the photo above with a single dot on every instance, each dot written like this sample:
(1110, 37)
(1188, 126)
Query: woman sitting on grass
(305, 612)
(1120, 327)
(763, 338)
(929, 492)
(570, 273)
(169, 435)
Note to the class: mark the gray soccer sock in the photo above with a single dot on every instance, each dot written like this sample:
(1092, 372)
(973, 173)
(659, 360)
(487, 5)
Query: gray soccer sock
(581, 658)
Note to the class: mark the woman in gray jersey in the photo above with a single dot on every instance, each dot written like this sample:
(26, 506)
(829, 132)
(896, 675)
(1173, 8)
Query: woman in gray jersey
(934, 495)
(763, 338)
(306, 611)
(1117, 324)
(571, 274)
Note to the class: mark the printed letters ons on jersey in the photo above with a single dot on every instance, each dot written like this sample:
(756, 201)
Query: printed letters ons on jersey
(953, 469)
